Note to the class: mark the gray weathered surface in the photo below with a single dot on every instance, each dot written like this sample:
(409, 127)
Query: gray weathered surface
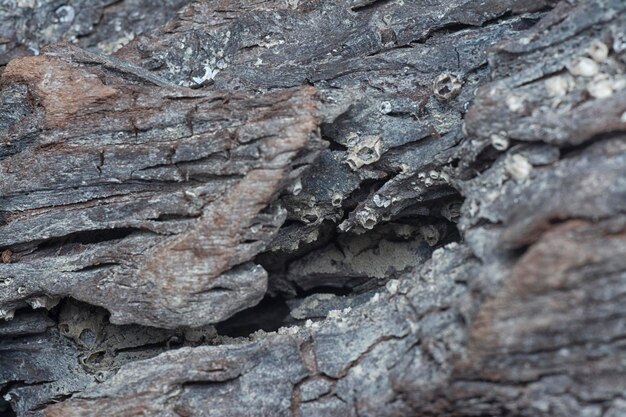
(131, 184)
(102, 25)
(470, 209)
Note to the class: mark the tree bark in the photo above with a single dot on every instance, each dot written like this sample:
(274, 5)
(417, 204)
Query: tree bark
(311, 208)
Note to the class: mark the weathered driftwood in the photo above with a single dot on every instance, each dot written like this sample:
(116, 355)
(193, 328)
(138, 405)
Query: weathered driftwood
(147, 200)
(404, 81)
(520, 117)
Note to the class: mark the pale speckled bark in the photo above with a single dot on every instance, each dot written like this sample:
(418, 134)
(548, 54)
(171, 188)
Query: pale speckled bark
(147, 200)
(101, 25)
(499, 125)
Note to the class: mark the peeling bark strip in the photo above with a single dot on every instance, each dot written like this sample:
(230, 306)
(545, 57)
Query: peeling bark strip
(458, 250)
(147, 200)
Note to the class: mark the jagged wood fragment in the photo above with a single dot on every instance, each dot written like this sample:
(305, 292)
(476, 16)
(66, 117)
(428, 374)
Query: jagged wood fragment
(525, 317)
(147, 200)
(443, 342)
(424, 346)
(379, 60)
(501, 335)
(59, 358)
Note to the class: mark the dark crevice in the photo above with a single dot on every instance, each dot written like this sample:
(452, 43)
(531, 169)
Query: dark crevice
(102, 266)
(362, 192)
(572, 151)
(276, 262)
(6, 410)
(171, 343)
(166, 217)
(87, 237)
(336, 146)
(273, 312)
(57, 398)
(454, 27)
(269, 315)
(370, 5)
(324, 289)
(205, 384)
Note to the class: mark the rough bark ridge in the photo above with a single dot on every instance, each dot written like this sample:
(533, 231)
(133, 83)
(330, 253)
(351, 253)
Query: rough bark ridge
(146, 200)
(431, 199)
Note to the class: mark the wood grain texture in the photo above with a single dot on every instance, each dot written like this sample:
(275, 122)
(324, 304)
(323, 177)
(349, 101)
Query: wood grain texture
(430, 199)
(147, 200)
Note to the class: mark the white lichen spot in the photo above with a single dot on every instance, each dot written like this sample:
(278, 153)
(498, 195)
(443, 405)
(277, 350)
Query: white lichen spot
(336, 200)
(452, 211)
(385, 107)
(619, 83)
(446, 86)
(190, 195)
(517, 166)
(600, 87)
(430, 234)
(364, 152)
(209, 73)
(392, 286)
(172, 68)
(464, 129)
(473, 207)
(619, 41)
(293, 330)
(452, 246)
(366, 218)
(268, 42)
(123, 40)
(598, 51)
(515, 103)
(311, 215)
(433, 175)
(583, 67)
(37, 302)
(381, 201)
(308, 323)
(6, 314)
(34, 49)
(344, 226)
(334, 314)
(499, 142)
(375, 298)
(297, 187)
(559, 85)
(65, 14)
